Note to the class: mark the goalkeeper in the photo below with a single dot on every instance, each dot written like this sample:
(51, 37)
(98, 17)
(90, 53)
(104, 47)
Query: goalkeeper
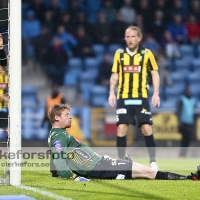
(74, 160)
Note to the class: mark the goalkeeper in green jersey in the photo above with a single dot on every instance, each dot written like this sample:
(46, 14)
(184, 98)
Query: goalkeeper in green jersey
(74, 160)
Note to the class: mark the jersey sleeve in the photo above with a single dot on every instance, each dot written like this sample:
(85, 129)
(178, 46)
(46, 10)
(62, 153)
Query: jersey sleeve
(152, 65)
(116, 62)
(59, 153)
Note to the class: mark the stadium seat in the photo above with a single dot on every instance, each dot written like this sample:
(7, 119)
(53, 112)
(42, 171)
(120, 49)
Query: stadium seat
(186, 50)
(31, 123)
(86, 122)
(99, 96)
(170, 65)
(195, 64)
(193, 77)
(99, 90)
(75, 64)
(198, 104)
(2, 134)
(91, 63)
(29, 96)
(112, 48)
(63, 4)
(86, 82)
(28, 116)
(100, 59)
(42, 103)
(179, 76)
(47, 3)
(184, 63)
(150, 91)
(99, 101)
(197, 71)
(29, 101)
(198, 50)
(71, 77)
(28, 133)
(85, 89)
(175, 90)
(169, 103)
(28, 90)
(25, 6)
(42, 133)
(99, 49)
(88, 76)
(195, 89)
(94, 5)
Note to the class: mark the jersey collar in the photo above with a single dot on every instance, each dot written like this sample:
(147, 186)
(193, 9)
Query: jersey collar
(131, 53)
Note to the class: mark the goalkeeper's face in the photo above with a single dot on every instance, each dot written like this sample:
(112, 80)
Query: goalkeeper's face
(65, 119)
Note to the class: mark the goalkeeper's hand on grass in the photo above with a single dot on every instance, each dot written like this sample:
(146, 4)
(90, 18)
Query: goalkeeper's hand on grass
(80, 178)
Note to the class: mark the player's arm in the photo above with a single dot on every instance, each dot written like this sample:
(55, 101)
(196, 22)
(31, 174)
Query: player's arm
(156, 82)
(155, 79)
(114, 79)
(59, 150)
(156, 85)
(113, 82)
(61, 166)
(115, 72)
(60, 161)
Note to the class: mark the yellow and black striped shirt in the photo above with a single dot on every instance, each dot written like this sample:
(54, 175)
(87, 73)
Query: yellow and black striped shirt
(3, 88)
(133, 71)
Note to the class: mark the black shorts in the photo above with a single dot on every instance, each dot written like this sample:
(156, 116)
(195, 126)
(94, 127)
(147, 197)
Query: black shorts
(135, 111)
(3, 119)
(109, 168)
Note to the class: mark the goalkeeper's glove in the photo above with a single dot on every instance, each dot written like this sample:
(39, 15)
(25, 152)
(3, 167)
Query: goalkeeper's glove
(80, 178)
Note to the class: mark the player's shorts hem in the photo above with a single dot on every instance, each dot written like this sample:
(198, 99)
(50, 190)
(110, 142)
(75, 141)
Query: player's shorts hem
(110, 168)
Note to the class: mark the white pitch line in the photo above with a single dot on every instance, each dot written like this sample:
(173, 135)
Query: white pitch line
(45, 193)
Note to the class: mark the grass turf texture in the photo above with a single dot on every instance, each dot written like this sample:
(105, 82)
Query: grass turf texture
(114, 189)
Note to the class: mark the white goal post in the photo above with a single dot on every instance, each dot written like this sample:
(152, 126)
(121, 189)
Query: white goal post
(15, 89)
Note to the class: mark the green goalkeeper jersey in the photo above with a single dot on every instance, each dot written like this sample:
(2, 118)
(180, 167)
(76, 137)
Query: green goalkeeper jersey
(71, 156)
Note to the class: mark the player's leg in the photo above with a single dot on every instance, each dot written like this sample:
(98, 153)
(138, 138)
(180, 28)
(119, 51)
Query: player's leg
(142, 171)
(123, 119)
(150, 144)
(109, 168)
(144, 118)
(121, 139)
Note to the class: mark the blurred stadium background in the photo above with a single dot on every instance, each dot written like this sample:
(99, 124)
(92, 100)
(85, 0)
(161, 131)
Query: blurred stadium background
(90, 32)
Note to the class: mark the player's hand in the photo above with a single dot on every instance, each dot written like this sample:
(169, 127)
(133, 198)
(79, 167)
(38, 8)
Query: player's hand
(112, 100)
(80, 178)
(1, 41)
(155, 100)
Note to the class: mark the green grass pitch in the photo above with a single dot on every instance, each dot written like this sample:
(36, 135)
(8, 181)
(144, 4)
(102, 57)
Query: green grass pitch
(113, 189)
